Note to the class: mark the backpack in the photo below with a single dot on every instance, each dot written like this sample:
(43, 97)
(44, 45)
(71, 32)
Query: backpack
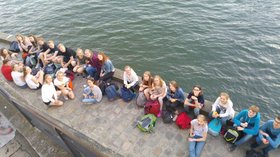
(126, 94)
(147, 123)
(215, 126)
(14, 47)
(183, 121)
(152, 107)
(167, 116)
(30, 61)
(50, 69)
(111, 92)
(253, 153)
(231, 135)
(141, 99)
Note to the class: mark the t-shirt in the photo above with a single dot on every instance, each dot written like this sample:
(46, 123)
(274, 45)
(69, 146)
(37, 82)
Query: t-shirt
(52, 50)
(6, 71)
(67, 54)
(199, 130)
(58, 83)
(30, 83)
(44, 47)
(17, 78)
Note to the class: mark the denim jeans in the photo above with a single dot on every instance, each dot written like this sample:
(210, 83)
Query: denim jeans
(195, 148)
(265, 149)
(195, 110)
(92, 71)
(243, 140)
(90, 100)
(224, 119)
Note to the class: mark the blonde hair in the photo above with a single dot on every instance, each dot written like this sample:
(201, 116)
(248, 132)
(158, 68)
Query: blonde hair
(225, 95)
(160, 80)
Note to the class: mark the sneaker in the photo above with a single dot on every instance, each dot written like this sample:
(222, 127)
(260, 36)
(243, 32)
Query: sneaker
(159, 114)
(231, 148)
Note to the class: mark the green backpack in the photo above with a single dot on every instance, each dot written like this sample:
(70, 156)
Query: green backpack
(147, 123)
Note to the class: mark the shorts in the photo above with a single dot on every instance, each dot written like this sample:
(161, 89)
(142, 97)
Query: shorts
(47, 103)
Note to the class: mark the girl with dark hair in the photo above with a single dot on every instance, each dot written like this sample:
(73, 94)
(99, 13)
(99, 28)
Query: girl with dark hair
(195, 100)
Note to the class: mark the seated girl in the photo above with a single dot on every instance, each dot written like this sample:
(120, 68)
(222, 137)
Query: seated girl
(198, 135)
(17, 76)
(24, 45)
(6, 54)
(33, 82)
(81, 62)
(175, 96)
(49, 94)
(92, 93)
(107, 68)
(61, 82)
(146, 84)
(158, 91)
(130, 78)
(222, 108)
(195, 100)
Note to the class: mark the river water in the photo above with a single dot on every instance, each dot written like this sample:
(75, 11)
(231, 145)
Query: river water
(230, 45)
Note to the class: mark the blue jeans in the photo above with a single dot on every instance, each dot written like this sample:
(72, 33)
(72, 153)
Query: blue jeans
(195, 110)
(243, 140)
(92, 71)
(265, 149)
(195, 148)
(224, 119)
(88, 91)
(90, 100)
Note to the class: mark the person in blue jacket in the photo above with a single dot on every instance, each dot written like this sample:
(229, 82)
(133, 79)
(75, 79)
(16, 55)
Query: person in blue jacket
(269, 135)
(175, 96)
(247, 121)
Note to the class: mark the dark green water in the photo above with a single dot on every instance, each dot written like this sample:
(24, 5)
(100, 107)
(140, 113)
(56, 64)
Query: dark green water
(230, 46)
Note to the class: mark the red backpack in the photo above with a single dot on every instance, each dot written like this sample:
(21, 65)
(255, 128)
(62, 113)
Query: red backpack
(152, 107)
(183, 121)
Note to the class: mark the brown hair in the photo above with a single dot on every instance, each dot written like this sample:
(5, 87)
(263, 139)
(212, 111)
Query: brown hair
(35, 44)
(92, 80)
(199, 87)
(105, 58)
(24, 71)
(150, 81)
(2, 52)
(5, 61)
(174, 84)
(254, 108)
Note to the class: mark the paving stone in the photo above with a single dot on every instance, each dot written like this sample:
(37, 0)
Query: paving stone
(169, 135)
(126, 146)
(157, 151)
(9, 148)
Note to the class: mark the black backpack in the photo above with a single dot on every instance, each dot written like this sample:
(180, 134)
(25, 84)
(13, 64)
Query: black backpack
(167, 116)
(253, 153)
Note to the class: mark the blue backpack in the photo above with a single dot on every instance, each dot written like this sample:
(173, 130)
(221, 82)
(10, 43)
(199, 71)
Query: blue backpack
(50, 69)
(215, 126)
(111, 92)
(14, 47)
(126, 94)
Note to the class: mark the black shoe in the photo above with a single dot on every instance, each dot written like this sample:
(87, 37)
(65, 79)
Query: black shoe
(231, 148)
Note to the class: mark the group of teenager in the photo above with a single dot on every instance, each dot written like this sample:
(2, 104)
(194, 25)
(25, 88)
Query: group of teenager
(37, 55)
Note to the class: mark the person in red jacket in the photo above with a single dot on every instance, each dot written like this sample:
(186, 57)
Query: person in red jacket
(6, 69)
